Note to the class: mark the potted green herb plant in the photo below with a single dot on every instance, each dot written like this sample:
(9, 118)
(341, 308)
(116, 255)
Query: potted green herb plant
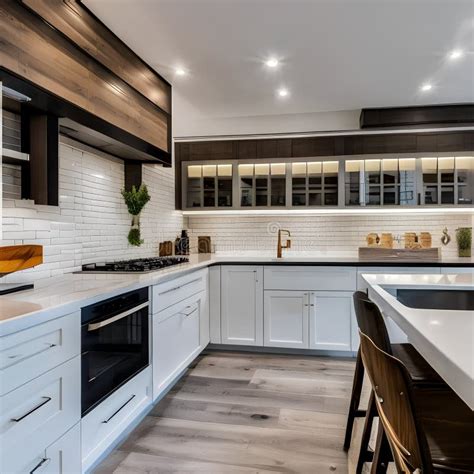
(464, 240)
(135, 199)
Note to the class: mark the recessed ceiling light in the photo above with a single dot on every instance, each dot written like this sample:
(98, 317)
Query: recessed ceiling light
(180, 71)
(426, 87)
(283, 92)
(272, 62)
(455, 54)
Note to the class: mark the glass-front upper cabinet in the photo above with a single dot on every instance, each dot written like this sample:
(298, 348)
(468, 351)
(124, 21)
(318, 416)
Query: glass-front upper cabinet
(208, 186)
(377, 182)
(465, 179)
(370, 180)
(314, 183)
(262, 184)
(448, 180)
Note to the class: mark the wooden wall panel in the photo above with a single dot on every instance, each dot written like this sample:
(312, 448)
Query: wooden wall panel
(80, 26)
(31, 49)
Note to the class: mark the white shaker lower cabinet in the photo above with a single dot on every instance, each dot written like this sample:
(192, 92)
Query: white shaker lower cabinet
(242, 305)
(286, 316)
(330, 319)
(176, 340)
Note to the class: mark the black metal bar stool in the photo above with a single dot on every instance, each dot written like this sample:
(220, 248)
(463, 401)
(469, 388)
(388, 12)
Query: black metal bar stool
(428, 429)
(371, 322)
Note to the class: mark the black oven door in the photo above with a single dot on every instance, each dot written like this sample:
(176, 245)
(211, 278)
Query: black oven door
(115, 345)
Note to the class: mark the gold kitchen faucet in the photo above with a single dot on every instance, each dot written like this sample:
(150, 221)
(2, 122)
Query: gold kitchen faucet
(280, 246)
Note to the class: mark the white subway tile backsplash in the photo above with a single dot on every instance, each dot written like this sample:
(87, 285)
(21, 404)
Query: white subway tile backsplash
(91, 223)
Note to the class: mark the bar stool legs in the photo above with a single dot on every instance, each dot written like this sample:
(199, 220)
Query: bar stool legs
(365, 454)
(354, 411)
(382, 454)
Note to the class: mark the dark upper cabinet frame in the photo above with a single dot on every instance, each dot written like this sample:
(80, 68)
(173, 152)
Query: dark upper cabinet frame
(361, 144)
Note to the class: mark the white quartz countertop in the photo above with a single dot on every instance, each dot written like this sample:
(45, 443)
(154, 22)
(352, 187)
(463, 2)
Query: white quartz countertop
(445, 338)
(57, 296)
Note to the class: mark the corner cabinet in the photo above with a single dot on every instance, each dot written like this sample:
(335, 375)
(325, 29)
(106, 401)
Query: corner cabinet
(242, 305)
(401, 180)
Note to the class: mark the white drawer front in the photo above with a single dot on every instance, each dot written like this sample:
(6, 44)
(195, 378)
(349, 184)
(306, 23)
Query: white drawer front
(62, 457)
(174, 291)
(103, 425)
(302, 278)
(27, 354)
(176, 341)
(36, 414)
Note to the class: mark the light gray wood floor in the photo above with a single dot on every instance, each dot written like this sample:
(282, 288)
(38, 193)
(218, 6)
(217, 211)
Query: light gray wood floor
(236, 412)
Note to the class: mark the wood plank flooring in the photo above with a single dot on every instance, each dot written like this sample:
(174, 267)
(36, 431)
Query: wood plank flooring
(236, 412)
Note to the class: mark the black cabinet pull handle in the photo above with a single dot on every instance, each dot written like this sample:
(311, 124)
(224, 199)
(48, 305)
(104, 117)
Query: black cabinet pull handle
(123, 406)
(43, 461)
(46, 400)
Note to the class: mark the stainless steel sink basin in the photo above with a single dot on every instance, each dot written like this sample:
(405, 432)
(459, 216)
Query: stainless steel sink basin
(437, 299)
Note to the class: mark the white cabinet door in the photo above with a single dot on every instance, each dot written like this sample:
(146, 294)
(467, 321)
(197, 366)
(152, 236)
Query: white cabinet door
(242, 305)
(286, 319)
(330, 320)
(176, 341)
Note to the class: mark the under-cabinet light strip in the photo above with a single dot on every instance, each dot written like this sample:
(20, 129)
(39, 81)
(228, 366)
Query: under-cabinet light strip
(335, 212)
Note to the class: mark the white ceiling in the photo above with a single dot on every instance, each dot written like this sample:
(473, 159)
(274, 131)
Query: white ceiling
(335, 54)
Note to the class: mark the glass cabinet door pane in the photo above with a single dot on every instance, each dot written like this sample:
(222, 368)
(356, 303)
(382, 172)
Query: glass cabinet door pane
(261, 191)
(299, 190)
(446, 170)
(372, 195)
(372, 172)
(246, 191)
(447, 194)
(465, 194)
(246, 185)
(352, 182)
(407, 177)
(209, 192)
(278, 197)
(431, 194)
(330, 197)
(193, 197)
(193, 186)
(224, 192)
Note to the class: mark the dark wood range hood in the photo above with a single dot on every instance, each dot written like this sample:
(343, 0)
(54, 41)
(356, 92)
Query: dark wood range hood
(74, 68)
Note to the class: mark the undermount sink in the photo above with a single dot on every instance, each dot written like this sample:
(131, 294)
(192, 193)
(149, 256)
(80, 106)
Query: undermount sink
(462, 300)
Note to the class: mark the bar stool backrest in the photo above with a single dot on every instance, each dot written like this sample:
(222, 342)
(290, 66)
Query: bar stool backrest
(394, 400)
(371, 322)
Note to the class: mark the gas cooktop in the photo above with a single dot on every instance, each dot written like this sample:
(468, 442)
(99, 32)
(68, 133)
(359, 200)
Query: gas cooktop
(138, 265)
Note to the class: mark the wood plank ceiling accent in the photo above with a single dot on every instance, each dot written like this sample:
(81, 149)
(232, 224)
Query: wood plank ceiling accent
(71, 69)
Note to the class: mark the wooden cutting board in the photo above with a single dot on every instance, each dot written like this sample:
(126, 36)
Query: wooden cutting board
(409, 255)
(14, 258)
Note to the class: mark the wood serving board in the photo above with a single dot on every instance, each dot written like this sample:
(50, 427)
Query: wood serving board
(380, 253)
(20, 257)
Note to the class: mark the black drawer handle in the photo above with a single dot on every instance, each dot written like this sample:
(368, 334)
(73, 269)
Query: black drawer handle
(46, 400)
(41, 463)
(123, 406)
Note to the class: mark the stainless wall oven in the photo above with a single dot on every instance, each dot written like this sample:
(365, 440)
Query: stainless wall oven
(115, 345)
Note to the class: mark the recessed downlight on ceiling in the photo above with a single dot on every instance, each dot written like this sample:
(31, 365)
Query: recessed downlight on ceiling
(455, 54)
(426, 87)
(180, 71)
(272, 62)
(283, 92)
